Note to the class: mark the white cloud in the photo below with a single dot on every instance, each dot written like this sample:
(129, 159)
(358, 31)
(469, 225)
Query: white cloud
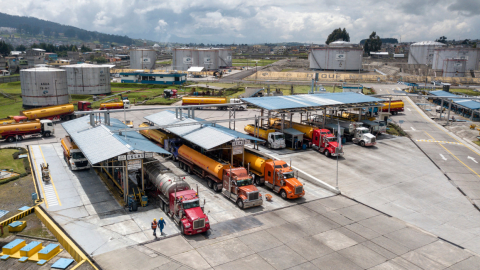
(161, 26)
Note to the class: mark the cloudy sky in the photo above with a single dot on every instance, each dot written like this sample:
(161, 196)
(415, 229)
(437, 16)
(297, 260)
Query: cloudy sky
(259, 21)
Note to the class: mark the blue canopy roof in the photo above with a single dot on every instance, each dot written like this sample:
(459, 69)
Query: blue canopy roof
(467, 103)
(310, 101)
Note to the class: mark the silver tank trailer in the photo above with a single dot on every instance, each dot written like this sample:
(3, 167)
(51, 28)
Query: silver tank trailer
(43, 87)
(166, 183)
(472, 55)
(143, 59)
(87, 79)
(422, 52)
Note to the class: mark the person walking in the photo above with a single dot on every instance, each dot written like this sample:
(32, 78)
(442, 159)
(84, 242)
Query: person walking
(154, 227)
(161, 225)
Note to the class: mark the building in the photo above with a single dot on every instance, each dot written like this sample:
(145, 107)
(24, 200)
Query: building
(35, 57)
(154, 78)
(279, 50)
(51, 56)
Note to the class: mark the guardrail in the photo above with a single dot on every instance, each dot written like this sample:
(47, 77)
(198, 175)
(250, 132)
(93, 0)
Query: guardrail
(6, 79)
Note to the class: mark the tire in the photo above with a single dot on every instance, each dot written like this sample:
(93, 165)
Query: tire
(215, 187)
(20, 138)
(46, 135)
(240, 204)
(11, 139)
(283, 194)
(182, 229)
(181, 165)
(165, 208)
(257, 181)
(210, 183)
(269, 146)
(189, 170)
(326, 153)
(362, 144)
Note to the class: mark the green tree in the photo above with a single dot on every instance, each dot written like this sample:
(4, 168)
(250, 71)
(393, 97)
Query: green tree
(338, 34)
(442, 39)
(5, 48)
(84, 49)
(47, 32)
(21, 48)
(372, 44)
(69, 33)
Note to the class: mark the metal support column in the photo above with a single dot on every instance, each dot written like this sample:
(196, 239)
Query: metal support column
(291, 120)
(441, 109)
(449, 109)
(283, 121)
(125, 181)
(231, 116)
(92, 120)
(143, 178)
(291, 89)
(261, 120)
(389, 104)
(324, 117)
(268, 90)
(269, 116)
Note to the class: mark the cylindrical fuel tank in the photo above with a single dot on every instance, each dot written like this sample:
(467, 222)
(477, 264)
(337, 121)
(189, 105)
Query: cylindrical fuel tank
(202, 161)
(256, 163)
(43, 87)
(308, 130)
(155, 134)
(50, 111)
(263, 133)
(203, 100)
(165, 183)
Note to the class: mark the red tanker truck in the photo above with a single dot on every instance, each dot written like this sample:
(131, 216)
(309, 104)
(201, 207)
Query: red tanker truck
(326, 143)
(177, 199)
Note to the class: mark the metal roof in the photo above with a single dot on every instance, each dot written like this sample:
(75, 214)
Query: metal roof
(293, 132)
(195, 69)
(428, 43)
(99, 143)
(206, 136)
(467, 103)
(310, 101)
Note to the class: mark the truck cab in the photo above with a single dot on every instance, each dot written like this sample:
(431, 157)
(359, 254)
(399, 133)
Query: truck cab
(73, 155)
(242, 107)
(126, 104)
(326, 143)
(47, 128)
(363, 137)
(276, 140)
(84, 106)
(238, 186)
(185, 206)
(281, 178)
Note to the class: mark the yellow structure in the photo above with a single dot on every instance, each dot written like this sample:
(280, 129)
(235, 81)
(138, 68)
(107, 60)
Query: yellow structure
(395, 104)
(46, 112)
(155, 134)
(17, 226)
(49, 252)
(30, 249)
(203, 100)
(262, 133)
(257, 164)
(354, 116)
(13, 247)
(202, 161)
(111, 105)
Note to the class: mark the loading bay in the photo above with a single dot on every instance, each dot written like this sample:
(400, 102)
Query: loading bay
(401, 208)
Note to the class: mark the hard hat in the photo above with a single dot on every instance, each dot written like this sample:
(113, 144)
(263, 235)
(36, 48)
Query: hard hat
(154, 219)
(161, 218)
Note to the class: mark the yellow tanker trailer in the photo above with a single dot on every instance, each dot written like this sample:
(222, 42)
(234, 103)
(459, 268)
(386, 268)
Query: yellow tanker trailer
(274, 139)
(54, 113)
(205, 101)
(306, 129)
(19, 131)
(155, 134)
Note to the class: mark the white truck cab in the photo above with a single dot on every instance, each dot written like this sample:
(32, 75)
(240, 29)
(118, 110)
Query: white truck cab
(364, 137)
(47, 128)
(276, 140)
(242, 107)
(126, 104)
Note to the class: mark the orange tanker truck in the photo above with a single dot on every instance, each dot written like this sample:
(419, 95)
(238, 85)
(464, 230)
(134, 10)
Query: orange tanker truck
(205, 101)
(235, 183)
(275, 174)
(124, 104)
(19, 131)
(12, 119)
(54, 113)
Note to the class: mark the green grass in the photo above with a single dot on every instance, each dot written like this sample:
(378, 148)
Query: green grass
(164, 63)
(251, 62)
(7, 162)
(476, 142)
(9, 107)
(465, 92)
(161, 101)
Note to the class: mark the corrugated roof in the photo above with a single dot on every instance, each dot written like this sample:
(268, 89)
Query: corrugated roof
(293, 131)
(99, 143)
(309, 101)
(207, 137)
(467, 103)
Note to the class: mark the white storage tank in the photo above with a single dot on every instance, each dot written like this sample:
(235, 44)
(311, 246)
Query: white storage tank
(87, 79)
(224, 58)
(472, 55)
(339, 55)
(454, 67)
(208, 58)
(422, 52)
(143, 59)
(184, 58)
(43, 87)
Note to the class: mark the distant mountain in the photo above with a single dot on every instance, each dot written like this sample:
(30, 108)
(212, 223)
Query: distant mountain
(384, 40)
(34, 26)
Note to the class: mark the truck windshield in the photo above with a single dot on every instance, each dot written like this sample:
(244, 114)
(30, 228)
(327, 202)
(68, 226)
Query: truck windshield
(77, 155)
(278, 137)
(331, 139)
(364, 131)
(289, 175)
(382, 124)
(191, 204)
(245, 182)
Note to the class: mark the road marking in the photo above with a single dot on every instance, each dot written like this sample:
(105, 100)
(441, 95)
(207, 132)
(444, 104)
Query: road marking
(454, 156)
(412, 128)
(50, 185)
(409, 109)
(435, 141)
(473, 159)
(443, 157)
(41, 185)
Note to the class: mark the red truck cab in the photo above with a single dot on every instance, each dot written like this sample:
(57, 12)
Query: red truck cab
(326, 143)
(186, 206)
(239, 185)
(84, 106)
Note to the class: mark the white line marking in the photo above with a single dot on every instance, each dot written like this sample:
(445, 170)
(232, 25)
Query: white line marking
(409, 109)
(473, 159)
(443, 157)
(412, 128)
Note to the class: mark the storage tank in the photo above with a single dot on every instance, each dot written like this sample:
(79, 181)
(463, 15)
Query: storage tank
(208, 58)
(87, 79)
(454, 67)
(472, 55)
(422, 52)
(224, 58)
(43, 87)
(143, 59)
(184, 58)
(339, 55)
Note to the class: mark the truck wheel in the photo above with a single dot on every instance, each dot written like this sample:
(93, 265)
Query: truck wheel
(240, 204)
(327, 153)
(20, 138)
(182, 229)
(11, 139)
(165, 208)
(362, 143)
(283, 194)
(210, 183)
(257, 180)
(189, 171)
(269, 146)
(215, 187)
(180, 164)
(47, 134)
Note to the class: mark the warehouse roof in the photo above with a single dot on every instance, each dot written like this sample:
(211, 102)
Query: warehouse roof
(310, 101)
(99, 143)
(467, 103)
(206, 136)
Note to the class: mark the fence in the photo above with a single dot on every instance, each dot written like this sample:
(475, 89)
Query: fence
(6, 79)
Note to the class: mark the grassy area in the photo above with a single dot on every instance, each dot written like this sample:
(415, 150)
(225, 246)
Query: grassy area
(477, 142)
(251, 62)
(164, 63)
(7, 162)
(396, 130)
(469, 92)
(10, 107)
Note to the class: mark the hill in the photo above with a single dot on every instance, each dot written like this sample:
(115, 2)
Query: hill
(33, 26)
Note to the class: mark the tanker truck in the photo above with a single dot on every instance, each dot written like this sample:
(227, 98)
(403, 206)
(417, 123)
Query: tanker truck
(235, 183)
(124, 104)
(275, 140)
(205, 101)
(177, 199)
(275, 174)
(168, 141)
(73, 156)
(12, 119)
(305, 129)
(326, 143)
(20, 131)
(355, 132)
(54, 113)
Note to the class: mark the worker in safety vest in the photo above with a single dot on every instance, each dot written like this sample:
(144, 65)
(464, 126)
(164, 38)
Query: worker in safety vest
(154, 227)
(161, 224)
